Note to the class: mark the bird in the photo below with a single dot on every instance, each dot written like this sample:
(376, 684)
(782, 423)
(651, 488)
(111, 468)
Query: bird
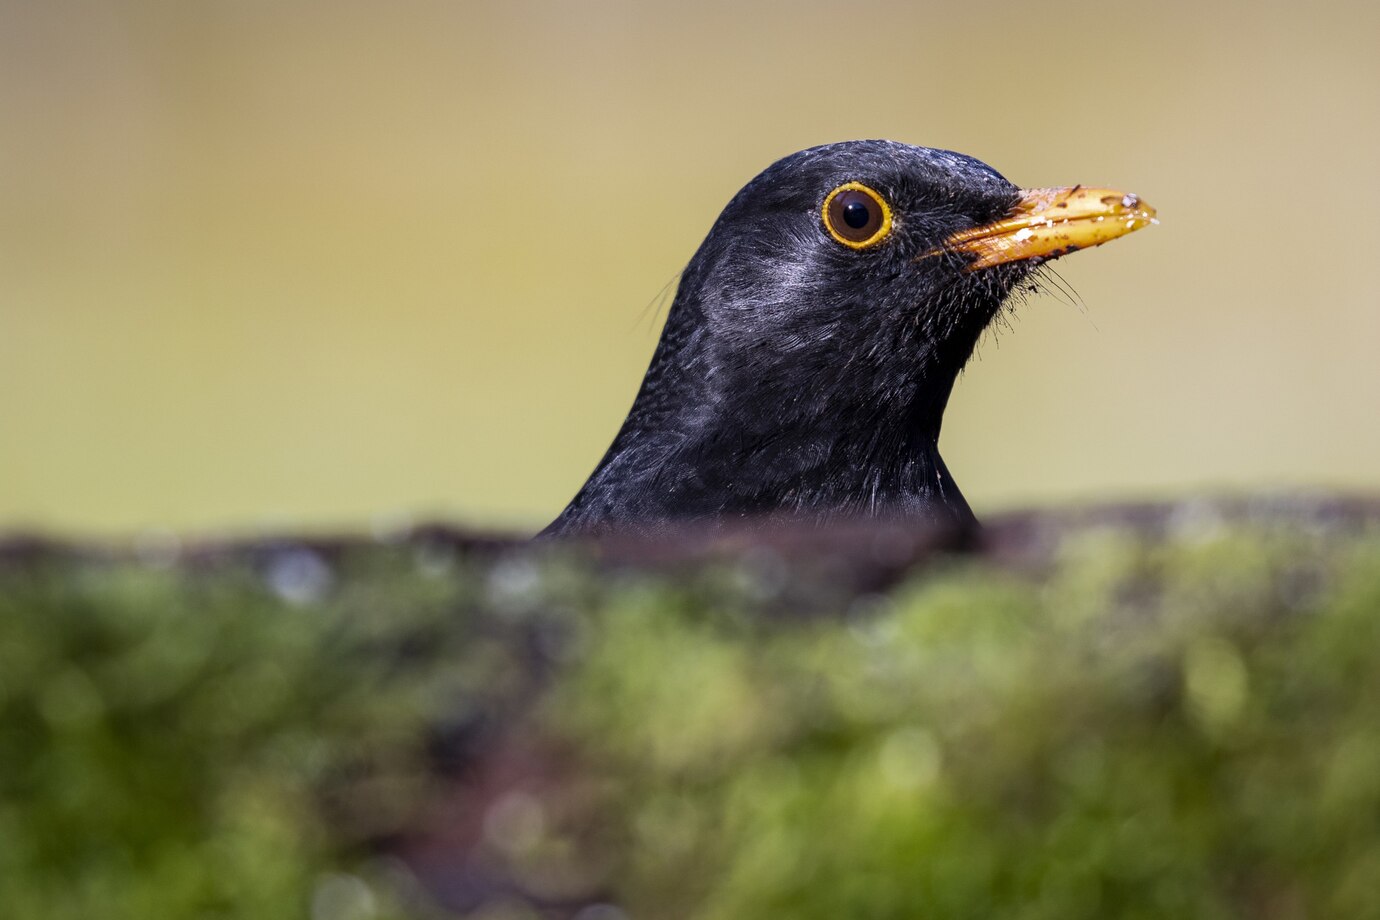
(815, 337)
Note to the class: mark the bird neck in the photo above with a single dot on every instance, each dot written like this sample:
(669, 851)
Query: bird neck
(830, 428)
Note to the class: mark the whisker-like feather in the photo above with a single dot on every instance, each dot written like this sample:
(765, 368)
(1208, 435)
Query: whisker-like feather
(657, 305)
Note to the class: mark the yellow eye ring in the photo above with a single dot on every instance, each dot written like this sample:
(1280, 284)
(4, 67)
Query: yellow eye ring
(856, 215)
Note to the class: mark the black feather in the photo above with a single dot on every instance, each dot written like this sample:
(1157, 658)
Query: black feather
(797, 376)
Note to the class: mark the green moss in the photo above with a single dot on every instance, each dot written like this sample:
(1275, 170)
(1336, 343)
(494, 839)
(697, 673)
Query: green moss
(1155, 728)
(1144, 727)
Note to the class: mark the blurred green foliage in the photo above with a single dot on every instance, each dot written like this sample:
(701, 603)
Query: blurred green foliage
(166, 736)
(1139, 726)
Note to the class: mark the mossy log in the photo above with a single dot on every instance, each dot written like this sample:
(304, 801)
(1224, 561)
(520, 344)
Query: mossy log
(1159, 711)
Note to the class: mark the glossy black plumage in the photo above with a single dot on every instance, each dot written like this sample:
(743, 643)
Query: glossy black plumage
(797, 376)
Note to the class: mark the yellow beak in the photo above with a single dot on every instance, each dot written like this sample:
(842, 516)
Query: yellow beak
(1052, 222)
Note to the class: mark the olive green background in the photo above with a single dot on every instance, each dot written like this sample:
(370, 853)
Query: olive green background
(292, 264)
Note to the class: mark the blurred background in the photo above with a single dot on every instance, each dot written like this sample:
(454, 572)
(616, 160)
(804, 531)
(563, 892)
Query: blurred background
(290, 264)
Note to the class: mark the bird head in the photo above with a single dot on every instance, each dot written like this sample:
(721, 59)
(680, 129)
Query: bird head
(817, 333)
(859, 277)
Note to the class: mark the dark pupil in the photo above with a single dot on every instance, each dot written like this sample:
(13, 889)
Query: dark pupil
(855, 215)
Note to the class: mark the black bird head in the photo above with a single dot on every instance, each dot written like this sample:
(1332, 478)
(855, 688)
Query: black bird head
(817, 333)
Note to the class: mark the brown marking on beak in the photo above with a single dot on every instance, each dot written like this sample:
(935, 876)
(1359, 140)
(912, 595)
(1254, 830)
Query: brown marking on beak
(1050, 222)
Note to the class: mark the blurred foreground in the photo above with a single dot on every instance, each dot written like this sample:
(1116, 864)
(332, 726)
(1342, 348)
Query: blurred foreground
(1166, 711)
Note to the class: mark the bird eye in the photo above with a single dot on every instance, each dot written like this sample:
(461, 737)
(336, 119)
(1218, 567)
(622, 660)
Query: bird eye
(856, 216)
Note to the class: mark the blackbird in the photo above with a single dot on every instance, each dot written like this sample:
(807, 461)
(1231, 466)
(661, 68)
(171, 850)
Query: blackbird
(815, 337)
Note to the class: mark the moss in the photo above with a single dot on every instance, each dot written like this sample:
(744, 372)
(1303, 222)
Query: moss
(1145, 722)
